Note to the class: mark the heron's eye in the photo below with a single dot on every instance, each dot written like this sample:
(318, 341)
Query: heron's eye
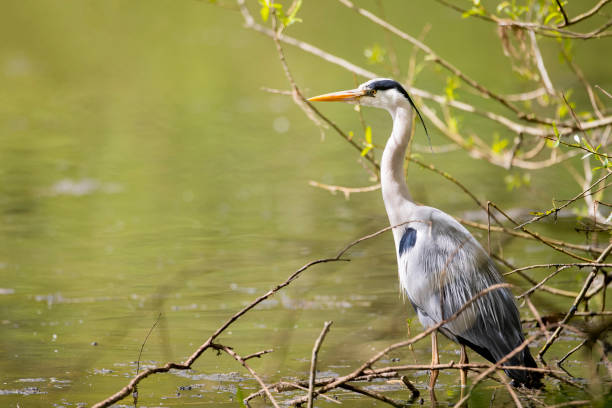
(371, 92)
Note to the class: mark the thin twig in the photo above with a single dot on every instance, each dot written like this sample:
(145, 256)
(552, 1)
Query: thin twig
(608, 94)
(232, 353)
(572, 351)
(488, 371)
(537, 316)
(372, 394)
(313, 362)
(568, 202)
(135, 392)
(540, 63)
(347, 191)
(515, 398)
(145, 342)
(574, 308)
(257, 355)
(414, 391)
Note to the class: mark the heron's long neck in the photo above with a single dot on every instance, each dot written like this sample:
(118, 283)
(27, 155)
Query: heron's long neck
(393, 181)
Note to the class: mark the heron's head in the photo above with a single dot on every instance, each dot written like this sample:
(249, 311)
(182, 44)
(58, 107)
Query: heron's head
(379, 93)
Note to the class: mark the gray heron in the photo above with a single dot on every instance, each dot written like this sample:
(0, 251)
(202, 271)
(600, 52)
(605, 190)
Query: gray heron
(441, 265)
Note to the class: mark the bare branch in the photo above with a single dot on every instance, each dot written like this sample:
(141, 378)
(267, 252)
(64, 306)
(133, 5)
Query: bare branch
(574, 308)
(540, 61)
(347, 191)
(231, 352)
(313, 362)
(372, 394)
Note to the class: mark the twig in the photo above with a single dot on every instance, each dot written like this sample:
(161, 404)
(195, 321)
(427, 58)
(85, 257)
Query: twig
(589, 13)
(313, 362)
(288, 386)
(537, 316)
(257, 355)
(545, 288)
(488, 371)
(453, 180)
(231, 352)
(568, 202)
(347, 191)
(536, 287)
(455, 366)
(574, 307)
(135, 392)
(512, 393)
(572, 351)
(145, 342)
(571, 404)
(372, 394)
(540, 62)
(538, 237)
(484, 227)
(414, 391)
(608, 94)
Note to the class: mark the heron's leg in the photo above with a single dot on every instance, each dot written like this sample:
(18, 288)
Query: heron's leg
(463, 360)
(435, 359)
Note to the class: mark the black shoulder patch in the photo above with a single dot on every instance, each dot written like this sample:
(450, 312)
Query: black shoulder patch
(408, 240)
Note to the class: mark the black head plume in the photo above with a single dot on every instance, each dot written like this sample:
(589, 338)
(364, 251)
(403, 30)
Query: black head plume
(385, 84)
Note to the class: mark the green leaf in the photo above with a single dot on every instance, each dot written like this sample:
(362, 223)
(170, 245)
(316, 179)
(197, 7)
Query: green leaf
(474, 11)
(503, 5)
(265, 9)
(368, 141)
(554, 15)
(368, 135)
(292, 17)
(452, 83)
(499, 144)
(375, 54)
(554, 143)
(515, 181)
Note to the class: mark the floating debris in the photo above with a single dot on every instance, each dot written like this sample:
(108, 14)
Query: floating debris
(83, 187)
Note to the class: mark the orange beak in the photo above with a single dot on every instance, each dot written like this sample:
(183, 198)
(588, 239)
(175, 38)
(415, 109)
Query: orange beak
(342, 96)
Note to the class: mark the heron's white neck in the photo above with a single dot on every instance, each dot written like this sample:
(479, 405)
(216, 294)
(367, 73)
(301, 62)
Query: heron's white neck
(398, 202)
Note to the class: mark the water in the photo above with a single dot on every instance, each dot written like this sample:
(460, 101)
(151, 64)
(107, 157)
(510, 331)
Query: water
(143, 171)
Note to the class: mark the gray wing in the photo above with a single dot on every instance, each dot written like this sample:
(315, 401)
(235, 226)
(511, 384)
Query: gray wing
(446, 267)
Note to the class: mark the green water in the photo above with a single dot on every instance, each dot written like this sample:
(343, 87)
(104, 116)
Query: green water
(143, 170)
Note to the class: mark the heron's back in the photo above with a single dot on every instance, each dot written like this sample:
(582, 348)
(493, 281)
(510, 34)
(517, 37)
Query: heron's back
(441, 268)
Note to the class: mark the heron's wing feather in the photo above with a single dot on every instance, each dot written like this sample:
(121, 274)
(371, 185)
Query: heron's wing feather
(444, 270)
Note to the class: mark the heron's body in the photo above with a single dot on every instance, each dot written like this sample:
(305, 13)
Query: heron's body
(441, 266)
